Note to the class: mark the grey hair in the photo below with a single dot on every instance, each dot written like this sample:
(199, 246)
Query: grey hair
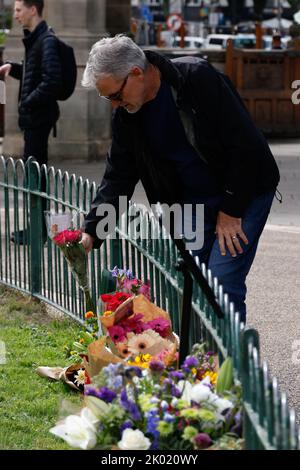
(112, 56)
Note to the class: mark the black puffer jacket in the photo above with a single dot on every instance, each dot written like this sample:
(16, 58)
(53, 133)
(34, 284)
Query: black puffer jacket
(40, 76)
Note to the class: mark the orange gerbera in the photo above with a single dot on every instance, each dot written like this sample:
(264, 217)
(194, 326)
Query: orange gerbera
(89, 314)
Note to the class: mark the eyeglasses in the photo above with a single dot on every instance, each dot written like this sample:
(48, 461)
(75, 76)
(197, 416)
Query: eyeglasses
(117, 96)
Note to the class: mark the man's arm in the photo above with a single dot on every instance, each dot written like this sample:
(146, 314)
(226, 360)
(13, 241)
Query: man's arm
(120, 178)
(51, 82)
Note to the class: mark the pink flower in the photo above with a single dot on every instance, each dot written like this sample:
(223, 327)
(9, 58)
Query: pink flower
(160, 325)
(133, 324)
(145, 290)
(117, 334)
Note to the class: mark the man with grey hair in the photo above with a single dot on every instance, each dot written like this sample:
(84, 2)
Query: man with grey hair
(181, 128)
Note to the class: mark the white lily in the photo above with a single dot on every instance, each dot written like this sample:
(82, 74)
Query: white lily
(186, 388)
(77, 432)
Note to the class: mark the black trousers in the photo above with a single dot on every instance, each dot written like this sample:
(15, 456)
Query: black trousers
(36, 143)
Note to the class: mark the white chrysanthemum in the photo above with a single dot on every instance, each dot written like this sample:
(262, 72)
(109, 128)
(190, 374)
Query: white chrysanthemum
(148, 342)
(80, 377)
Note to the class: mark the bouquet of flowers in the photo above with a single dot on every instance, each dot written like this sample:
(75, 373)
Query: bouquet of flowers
(69, 242)
(131, 408)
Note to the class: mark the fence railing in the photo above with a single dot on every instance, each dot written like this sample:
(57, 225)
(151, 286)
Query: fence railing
(39, 269)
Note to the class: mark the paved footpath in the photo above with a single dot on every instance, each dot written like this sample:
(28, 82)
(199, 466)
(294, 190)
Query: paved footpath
(274, 281)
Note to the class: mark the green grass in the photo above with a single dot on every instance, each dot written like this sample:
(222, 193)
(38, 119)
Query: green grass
(30, 405)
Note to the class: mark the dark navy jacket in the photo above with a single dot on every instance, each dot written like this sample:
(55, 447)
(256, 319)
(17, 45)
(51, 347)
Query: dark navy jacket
(217, 124)
(40, 76)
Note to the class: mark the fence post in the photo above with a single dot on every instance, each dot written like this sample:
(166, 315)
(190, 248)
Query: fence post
(116, 251)
(35, 226)
(186, 310)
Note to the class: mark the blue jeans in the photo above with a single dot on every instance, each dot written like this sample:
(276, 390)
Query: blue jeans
(232, 272)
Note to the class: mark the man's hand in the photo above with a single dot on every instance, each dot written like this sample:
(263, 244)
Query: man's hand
(87, 242)
(5, 69)
(229, 231)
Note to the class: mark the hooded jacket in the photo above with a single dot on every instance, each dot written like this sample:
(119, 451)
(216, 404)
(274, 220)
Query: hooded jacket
(40, 78)
(218, 126)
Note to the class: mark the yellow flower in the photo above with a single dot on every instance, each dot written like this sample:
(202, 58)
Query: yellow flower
(142, 360)
(107, 313)
(194, 371)
(81, 340)
(213, 376)
(89, 314)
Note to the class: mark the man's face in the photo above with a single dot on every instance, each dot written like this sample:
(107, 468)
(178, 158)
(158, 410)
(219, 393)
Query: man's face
(23, 14)
(127, 92)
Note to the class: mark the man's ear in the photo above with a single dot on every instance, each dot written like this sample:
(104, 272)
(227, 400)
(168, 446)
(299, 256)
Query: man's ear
(136, 71)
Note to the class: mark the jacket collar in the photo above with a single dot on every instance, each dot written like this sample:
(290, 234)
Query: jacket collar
(169, 72)
(31, 36)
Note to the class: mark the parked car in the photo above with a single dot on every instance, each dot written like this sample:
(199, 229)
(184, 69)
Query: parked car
(190, 42)
(216, 41)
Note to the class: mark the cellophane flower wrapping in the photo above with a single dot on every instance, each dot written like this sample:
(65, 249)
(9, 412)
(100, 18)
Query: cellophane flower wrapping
(70, 243)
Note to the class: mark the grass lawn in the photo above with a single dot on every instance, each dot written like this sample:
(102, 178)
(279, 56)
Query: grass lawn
(30, 405)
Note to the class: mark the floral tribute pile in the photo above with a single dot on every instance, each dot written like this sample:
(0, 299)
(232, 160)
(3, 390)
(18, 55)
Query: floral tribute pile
(136, 397)
(159, 407)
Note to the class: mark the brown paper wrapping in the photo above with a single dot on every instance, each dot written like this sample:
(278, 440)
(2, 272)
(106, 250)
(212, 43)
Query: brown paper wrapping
(133, 305)
(60, 373)
(99, 356)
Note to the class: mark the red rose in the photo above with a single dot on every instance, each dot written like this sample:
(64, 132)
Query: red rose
(67, 236)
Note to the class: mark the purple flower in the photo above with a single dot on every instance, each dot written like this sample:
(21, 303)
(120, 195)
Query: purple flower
(156, 366)
(133, 371)
(168, 418)
(202, 440)
(152, 423)
(190, 362)
(102, 393)
(126, 425)
(106, 394)
(90, 391)
(177, 375)
(169, 385)
(129, 406)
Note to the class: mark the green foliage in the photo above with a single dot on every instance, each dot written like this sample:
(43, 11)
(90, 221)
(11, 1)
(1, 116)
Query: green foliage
(29, 404)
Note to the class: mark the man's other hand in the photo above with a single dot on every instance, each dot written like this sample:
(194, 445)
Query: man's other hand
(229, 231)
(5, 70)
(87, 242)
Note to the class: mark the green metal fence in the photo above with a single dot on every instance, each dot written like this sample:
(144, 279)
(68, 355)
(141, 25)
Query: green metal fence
(39, 269)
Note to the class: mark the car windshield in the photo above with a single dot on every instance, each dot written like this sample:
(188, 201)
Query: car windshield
(216, 41)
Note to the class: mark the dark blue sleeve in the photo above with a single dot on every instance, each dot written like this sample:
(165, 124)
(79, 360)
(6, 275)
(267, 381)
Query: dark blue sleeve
(120, 179)
(51, 82)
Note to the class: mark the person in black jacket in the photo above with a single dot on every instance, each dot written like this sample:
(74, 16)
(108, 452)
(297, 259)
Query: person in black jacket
(40, 81)
(182, 129)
